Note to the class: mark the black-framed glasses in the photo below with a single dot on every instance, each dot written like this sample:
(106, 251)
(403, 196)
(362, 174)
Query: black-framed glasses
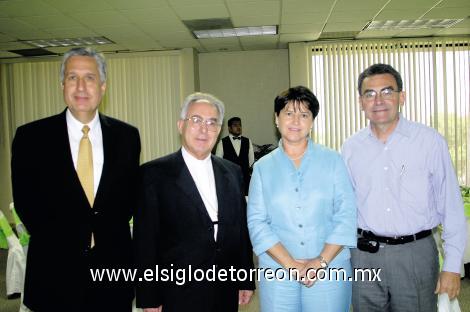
(196, 122)
(385, 94)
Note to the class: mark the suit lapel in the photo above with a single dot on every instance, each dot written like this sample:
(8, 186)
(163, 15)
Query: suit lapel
(187, 185)
(66, 162)
(222, 183)
(109, 156)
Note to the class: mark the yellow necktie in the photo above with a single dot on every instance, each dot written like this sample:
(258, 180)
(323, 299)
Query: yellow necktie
(85, 169)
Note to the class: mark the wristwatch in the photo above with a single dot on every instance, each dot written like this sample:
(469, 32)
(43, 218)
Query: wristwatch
(323, 262)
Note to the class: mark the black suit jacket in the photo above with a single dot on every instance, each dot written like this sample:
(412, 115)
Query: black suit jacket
(51, 202)
(173, 230)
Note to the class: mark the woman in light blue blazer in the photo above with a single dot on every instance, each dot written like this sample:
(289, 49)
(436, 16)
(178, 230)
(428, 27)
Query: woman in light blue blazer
(302, 215)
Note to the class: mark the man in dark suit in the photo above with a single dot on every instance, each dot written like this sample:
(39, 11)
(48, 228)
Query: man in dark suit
(192, 217)
(74, 181)
(237, 149)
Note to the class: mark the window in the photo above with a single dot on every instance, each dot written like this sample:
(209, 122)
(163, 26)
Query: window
(435, 77)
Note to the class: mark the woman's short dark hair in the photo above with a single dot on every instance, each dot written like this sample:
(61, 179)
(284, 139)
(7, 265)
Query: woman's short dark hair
(298, 94)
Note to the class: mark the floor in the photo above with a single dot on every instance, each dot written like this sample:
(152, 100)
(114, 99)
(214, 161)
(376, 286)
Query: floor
(13, 305)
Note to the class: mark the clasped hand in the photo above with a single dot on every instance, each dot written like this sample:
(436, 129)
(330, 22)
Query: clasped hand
(305, 271)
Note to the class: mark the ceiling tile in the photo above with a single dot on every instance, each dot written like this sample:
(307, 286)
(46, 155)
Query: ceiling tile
(387, 15)
(350, 26)
(3, 12)
(300, 28)
(34, 8)
(14, 46)
(447, 13)
(136, 4)
(162, 29)
(20, 29)
(306, 6)
(49, 21)
(272, 8)
(453, 4)
(5, 38)
(355, 5)
(406, 4)
(305, 18)
(241, 21)
(103, 18)
(192, 12)
(180, 3)
(151, 15)
(79, 6)
(298, 37)
(351, 15)
(73, 32)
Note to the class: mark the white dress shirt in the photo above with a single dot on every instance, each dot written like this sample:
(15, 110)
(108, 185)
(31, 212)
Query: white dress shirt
(236, 146)
(203, 176)
(74, 129)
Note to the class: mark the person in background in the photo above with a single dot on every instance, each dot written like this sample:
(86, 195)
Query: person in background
(237, 149)
(302, 214)
(74, 178)
(192, 216)
(405, 186)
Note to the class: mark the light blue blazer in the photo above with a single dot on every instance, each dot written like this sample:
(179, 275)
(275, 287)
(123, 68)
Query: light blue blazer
(302, 208)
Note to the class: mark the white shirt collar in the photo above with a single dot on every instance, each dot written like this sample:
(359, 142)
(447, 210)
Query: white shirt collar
(76, 126)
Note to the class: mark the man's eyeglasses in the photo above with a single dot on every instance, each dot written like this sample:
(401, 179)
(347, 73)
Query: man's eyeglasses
(196, 122)
(385, 94)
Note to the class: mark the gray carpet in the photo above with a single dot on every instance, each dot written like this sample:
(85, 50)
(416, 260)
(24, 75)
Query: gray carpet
(13, 305)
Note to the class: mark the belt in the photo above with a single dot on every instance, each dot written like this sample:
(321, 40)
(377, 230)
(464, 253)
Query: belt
(396, 240)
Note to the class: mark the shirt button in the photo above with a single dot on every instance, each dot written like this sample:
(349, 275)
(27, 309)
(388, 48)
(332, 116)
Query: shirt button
(387, 189)
(300, 225)
(385, 168)
(386, 148)
(302, 243)
(298, 207)
(296, 189)
(388, 209)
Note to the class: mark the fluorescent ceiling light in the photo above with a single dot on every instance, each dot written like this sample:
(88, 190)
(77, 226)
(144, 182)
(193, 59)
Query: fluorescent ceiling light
(412, 24)
(67, 42)
(236, 32)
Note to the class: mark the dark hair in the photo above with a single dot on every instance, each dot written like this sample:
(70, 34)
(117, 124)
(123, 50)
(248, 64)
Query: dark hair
(379, 69)
(232, 120)
(298, 94)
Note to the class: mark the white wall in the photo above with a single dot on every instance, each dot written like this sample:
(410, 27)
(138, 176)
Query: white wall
(247, 82)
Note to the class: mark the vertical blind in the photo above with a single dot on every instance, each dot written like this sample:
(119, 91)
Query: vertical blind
(435, 75)
(143, 91)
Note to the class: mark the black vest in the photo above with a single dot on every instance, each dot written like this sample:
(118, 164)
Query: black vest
(241, 159)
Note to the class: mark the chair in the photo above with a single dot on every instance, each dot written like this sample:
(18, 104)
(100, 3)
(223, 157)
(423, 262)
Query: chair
(21, 230)
(16, 261)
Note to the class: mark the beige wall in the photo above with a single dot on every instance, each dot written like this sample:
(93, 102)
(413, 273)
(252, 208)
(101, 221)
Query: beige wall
(247, 82)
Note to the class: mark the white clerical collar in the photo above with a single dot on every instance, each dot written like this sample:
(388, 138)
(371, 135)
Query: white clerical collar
(191, 160)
